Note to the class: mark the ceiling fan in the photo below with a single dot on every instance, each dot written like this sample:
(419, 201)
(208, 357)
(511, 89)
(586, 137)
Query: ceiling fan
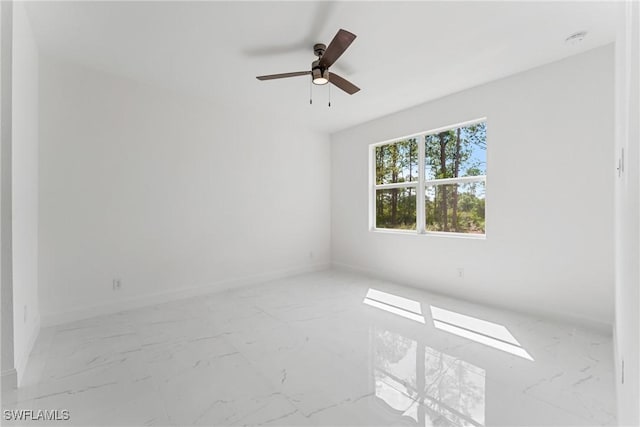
(327, 56)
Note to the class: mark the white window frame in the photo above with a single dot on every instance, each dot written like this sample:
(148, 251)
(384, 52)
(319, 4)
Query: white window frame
(420, 185)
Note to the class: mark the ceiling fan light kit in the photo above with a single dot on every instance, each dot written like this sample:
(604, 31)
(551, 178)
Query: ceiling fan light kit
(327, 56)
(320, 76)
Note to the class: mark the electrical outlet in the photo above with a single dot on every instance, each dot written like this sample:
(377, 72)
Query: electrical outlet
(117, 284)
(460, 272)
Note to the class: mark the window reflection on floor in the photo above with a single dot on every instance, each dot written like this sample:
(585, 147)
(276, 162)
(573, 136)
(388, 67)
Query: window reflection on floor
(426, 385)
(478, 330)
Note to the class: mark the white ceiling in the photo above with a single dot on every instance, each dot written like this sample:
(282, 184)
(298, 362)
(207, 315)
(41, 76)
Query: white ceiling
(406, 53)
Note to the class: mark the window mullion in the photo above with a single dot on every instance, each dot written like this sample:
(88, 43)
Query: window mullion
(420, 197)
(404, 184)
(459, 180)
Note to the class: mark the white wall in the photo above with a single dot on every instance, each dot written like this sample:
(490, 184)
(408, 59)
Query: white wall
(627, 186)
(26, 317)
(172, 195)
(9, 376)
(549, 245)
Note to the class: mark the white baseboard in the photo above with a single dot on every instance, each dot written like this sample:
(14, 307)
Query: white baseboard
(595, 325)
(9, 380)
(53, 319)
(21, 365)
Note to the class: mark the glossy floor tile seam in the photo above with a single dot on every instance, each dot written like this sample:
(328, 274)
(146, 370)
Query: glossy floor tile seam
(308, 350)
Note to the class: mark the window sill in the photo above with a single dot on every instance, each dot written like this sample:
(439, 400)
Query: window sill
(430, 234)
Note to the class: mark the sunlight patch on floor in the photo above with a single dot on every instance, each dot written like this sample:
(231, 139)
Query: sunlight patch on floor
(395, 304)
(478, 330)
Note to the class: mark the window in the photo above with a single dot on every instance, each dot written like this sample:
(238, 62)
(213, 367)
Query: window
(433, 182)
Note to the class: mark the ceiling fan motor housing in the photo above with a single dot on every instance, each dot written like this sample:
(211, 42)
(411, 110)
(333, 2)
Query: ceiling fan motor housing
(319, 74)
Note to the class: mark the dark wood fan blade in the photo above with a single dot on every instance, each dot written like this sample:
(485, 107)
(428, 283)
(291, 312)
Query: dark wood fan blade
(338, 45)
(283, 75)
(343, 84)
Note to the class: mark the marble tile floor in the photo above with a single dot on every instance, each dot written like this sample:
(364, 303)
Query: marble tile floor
(328, 348)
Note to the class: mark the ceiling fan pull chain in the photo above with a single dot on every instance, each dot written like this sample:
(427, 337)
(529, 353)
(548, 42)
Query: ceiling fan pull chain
(329, 95)
(310, 92)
